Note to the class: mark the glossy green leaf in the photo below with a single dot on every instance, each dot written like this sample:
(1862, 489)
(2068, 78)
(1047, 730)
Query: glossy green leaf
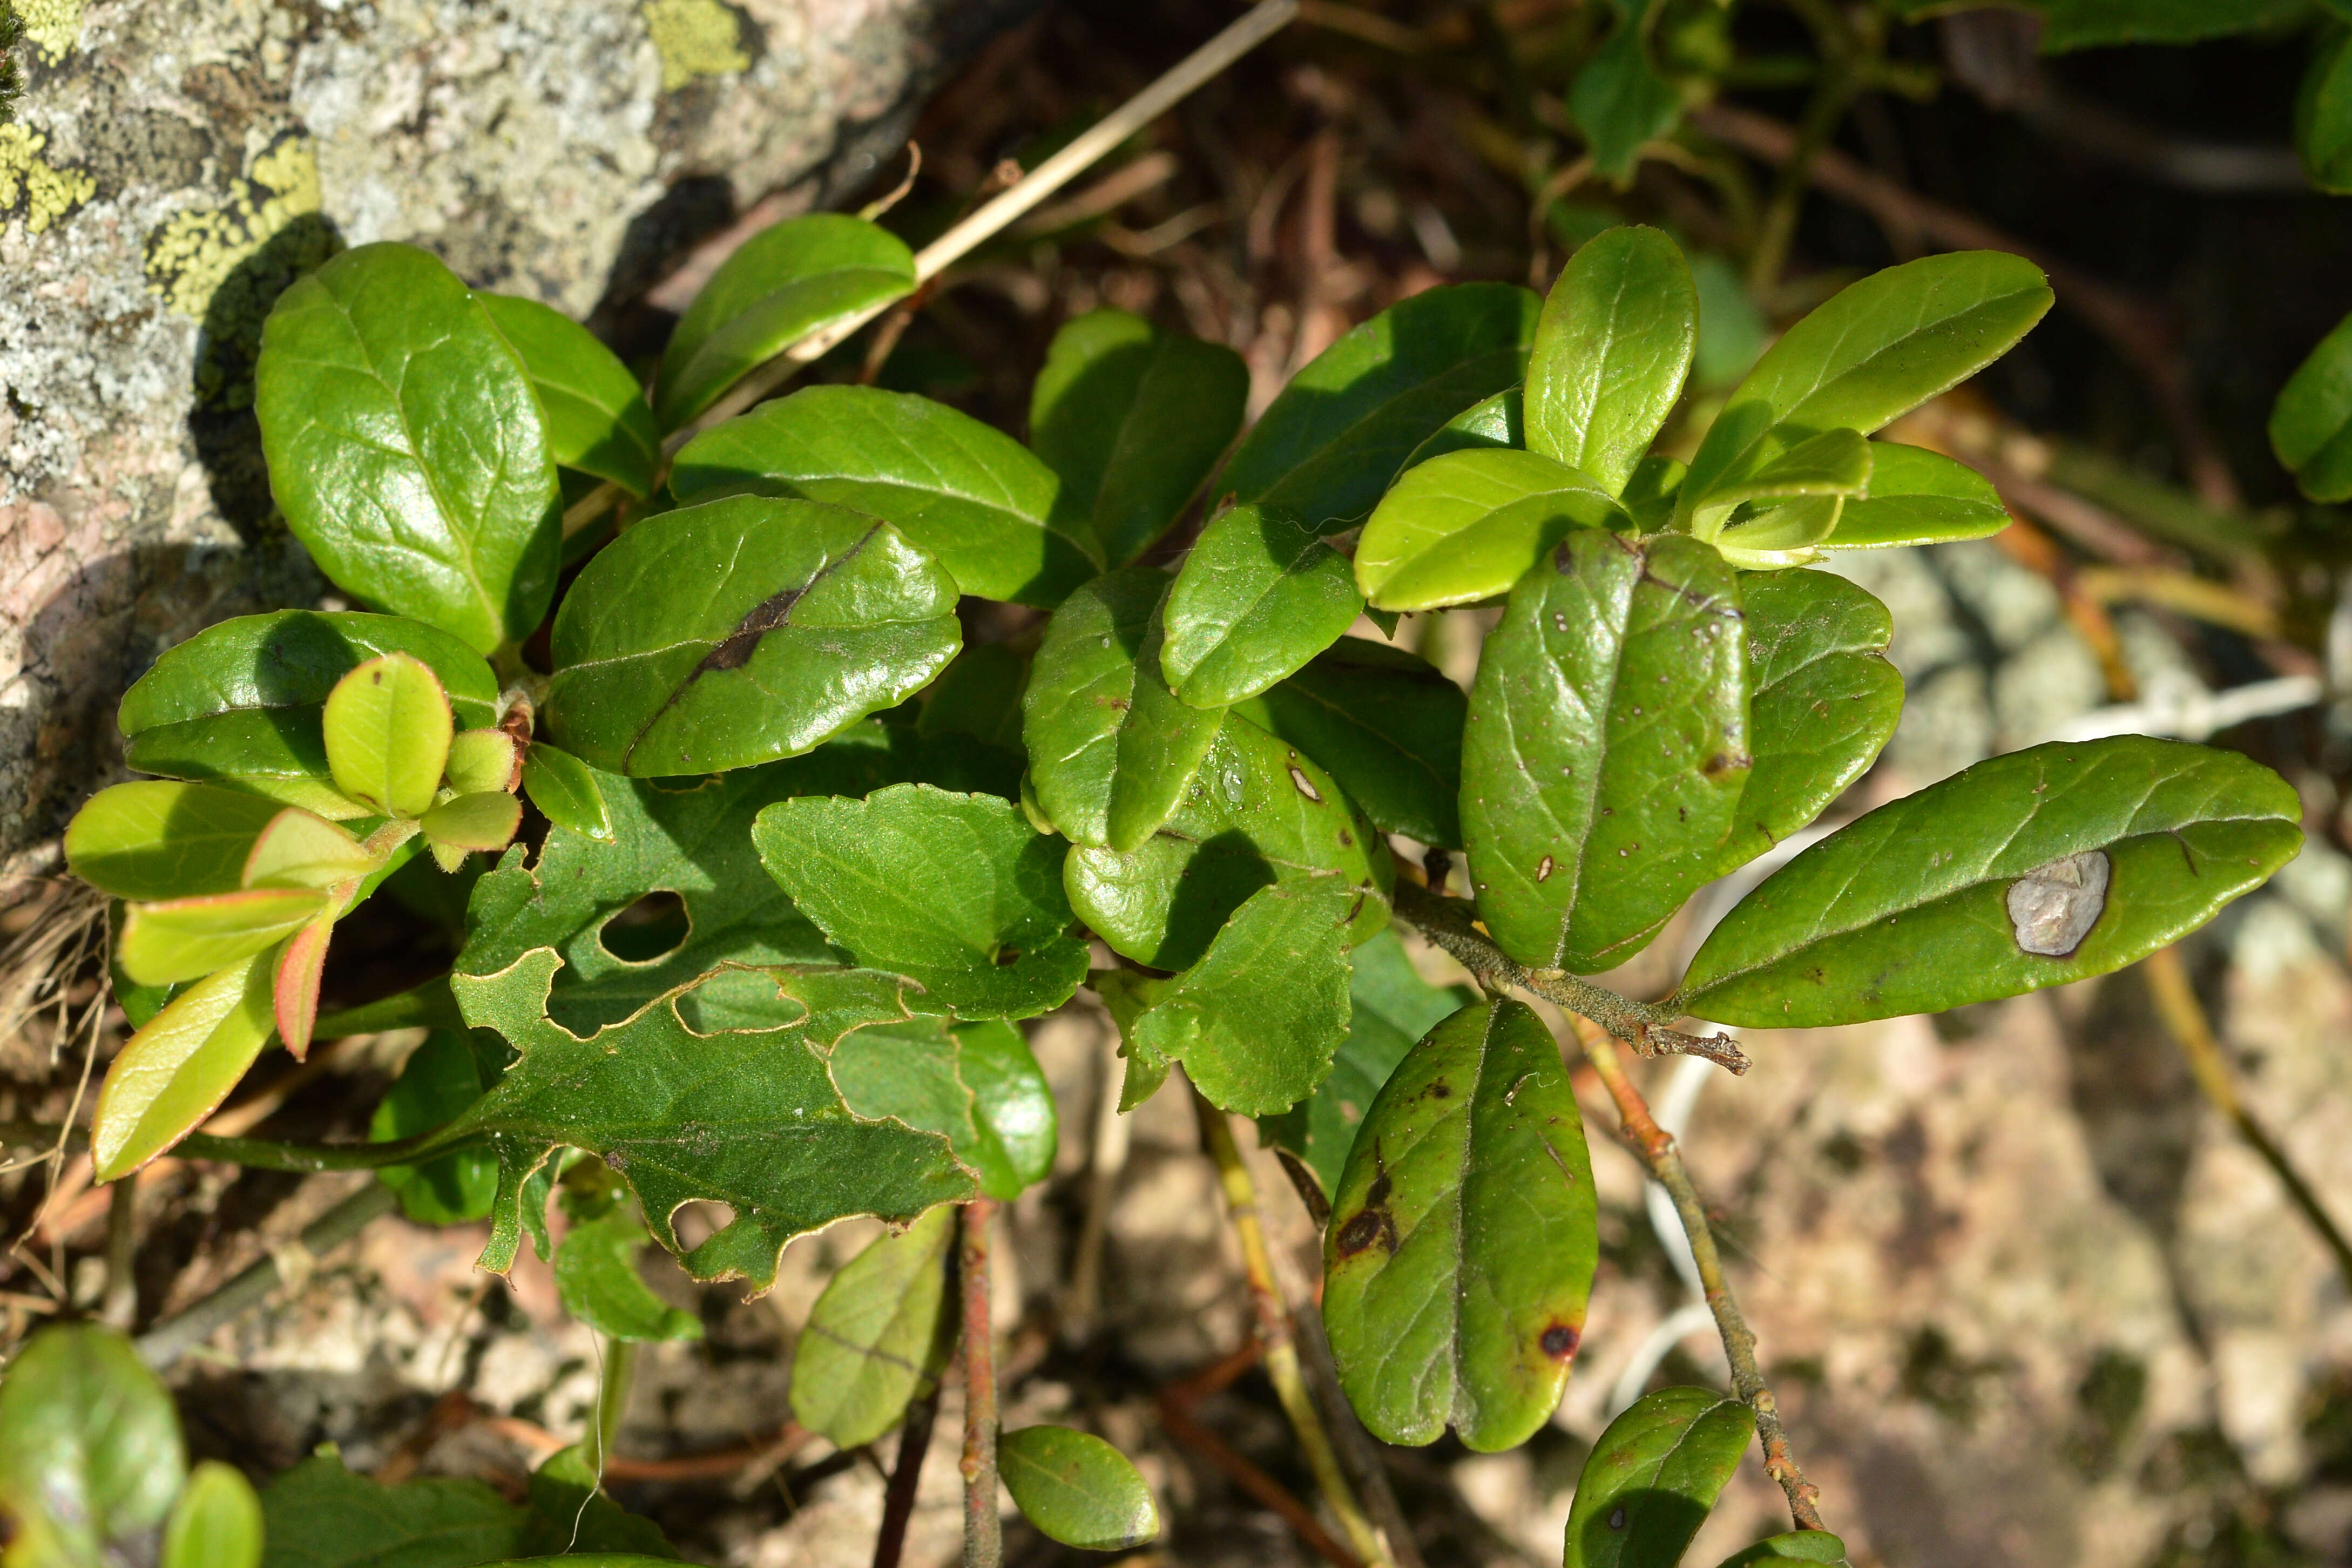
(881, 1331)
(1606, 749)
(1386, 725)
(1918, 497)
(280, 757)
(1650, 494)
(1012, 1104)
(481, 760)
(779, 286)
(1612, 347)
(2310, 424)
(1876, 350)
(1325, 449)
(473, 822)
(90, 1454)
(155, 840)
(1654, 1477)
(440, 1080)
(986, 506)
(596, 1278)
(747, 1117)
(1259, 595)
(1257, 812)
(297, 850)
(387, 728)
(566, 791)
(1466, 526)
(2323, 116)
(184, 939)
(597, 418)
(406, 448)
(956, 891)
(1256, 1021)
(1127, 994)
(2047, 865)
(1823, 702)
(177, 1069)
(1732, 332)
(1796, 1546)
(1076, 1488)
(1464, 1237)
(215, 1523)
(1496, 421)
(975, 1084)
(1392, 1007)
(320, 1515)
(1790, 461)
(1620, 101)
(1111, 749)
(1132, 419)
(739, 631)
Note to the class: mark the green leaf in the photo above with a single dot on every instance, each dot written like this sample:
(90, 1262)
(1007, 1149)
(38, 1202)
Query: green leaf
(978, 697)
(1650, 494)
(573, 1524)
(1979, 887)
(216, 1524)
(2310, 424)
(566, 792)
(1876, 350)
(1127, 995)
(1654, 1477)
(1325, 448)
(1132, 419)
(1464, 1237)
(2323, 116)
(1606, 747)
(297, 850)
(597, 418)
(177, 1069)
(183, 939)
(1731, 331)
(972, 496)
(1257, 812)
(1466, 526)
(1013, 1105)
(1256, 1020)
(956, 891)
(1259, 595)
(596, 1278)
(880, 1333)
(1387, 725)
(320, 1515)
(440, 1080)
(975, 1084)
(747, 1117)
(90, 1454)
(1496, 421)
(480, 761)
(1823, 702)
(152, 840)
(741, 631)
(406, 446)
(2097, 23)
(1076, 1488)
(1393, 1007)
(779, 286)
(1111, 749)
(1791, 461)
(1620, 101)
(1796, 1546)
(486, 821)
(1612, 347)
(1918, 497)
(387, 728)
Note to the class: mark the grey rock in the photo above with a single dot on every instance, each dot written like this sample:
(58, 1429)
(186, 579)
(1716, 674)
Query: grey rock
(175, 163)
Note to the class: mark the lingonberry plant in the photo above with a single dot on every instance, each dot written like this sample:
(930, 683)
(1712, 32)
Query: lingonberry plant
(891, 845)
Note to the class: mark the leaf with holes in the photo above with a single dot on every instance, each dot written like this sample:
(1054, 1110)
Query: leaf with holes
(2311, 423)
(157, 840)
(1325, 449)
(1132, 419)
(1652, 1478)
(975, 1084)
(741, 631)
(977, 500)
(1259, 595)
(778, 287)
(2044, 865)
(1466, 526)
(90, 1454)
(1612, 347)
(1606, 749)
(1386, 725)
(1822, 704)
(387, 728)
(177, 1069)
(878, 1335)
(598, 421)
(1076, 1488)
(1918, 497)
(1256, 813)
(1464, 1237)
(406, 448)
(597, 1280)
(956, 891)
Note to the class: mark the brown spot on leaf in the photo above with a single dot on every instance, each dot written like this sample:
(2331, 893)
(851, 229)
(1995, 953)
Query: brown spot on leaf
(1300, 779)
(1560, 1342)
(1723, 762)
(1543, 869)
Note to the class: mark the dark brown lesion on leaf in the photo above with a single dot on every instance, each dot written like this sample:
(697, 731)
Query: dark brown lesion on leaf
(1560, 1340)
(1372, 1223)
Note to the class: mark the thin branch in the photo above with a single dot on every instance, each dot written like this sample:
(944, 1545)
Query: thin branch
(261, 1153)
(1451, 924)
(1659, 1151)
(119, 1308)
(983, 1533)
(1177, 1402)
(906, 1476)
(170, 1339)
(1274, 1332)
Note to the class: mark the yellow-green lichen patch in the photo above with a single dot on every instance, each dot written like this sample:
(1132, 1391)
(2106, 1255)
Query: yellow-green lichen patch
(54, 25)
(193, 253)
(49, 191)
(694, 38)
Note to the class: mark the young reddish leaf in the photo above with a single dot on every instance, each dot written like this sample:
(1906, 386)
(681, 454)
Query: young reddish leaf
(182, 939)
(301, 850)
(294, 995)
(483, 760)
(388, 729)
(165, 841)
(175, 1072)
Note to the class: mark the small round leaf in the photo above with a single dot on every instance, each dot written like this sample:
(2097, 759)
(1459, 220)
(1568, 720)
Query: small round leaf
(1076, 1488)
(388, 729)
